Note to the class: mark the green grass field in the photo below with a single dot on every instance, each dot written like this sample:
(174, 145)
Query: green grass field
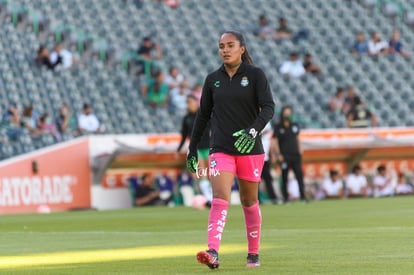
(361, 236)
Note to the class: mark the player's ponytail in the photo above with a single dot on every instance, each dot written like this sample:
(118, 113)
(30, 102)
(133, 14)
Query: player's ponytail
(246, 58)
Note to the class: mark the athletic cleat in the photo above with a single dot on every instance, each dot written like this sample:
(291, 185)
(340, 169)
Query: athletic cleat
(253, 260)
(209, 258)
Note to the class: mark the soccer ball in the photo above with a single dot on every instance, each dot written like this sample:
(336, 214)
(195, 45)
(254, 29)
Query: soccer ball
(199, 202)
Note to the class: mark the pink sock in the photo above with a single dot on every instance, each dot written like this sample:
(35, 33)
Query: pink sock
(253, 220)
(216, 222)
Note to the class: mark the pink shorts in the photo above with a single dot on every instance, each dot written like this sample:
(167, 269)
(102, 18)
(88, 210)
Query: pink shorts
(244, 167)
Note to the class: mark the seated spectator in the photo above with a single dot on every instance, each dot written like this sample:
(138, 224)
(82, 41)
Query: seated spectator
(156, 91)
(403, 188)
(383, 185)
(66, 121)
(356, 183)
(65, 55)
(11, 121)
(360, 116)
(186, 186)
(179, 97)
(310, 66)
(349, 100)
(332, 186)
(146, 193)
(396, 46)
(30, 120)
(46, 125)
(147, 48)
(165, 184)
(336, 104)
(43, 58)
(282, 31)
(264, 29)
(292, 67)
(360, 46)
(377, 46)
(293, 187)
(174, 78)
(88, 123)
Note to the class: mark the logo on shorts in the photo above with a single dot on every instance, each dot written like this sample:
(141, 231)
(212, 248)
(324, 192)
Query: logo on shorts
(213, 163)
(256, 172)
(244, 82)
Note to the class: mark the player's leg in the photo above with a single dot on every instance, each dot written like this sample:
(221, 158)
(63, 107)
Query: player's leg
(204, 183)
(285, 171)
(249, 169)
(222, 171)
(297, 170)
(268, 181)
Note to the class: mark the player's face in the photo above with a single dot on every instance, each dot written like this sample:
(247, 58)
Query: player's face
(230, 49)
(192, 105)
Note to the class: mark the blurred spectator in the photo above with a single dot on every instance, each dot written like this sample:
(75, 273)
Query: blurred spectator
(292, 67)
(403, 188)
(360, 116)
(30, 120)
(349, 100)
(148, 47)
(43, 58)
(333, 186)
(156, 90)
(264, 29)
(356, 183)
(66, 121)
(292, 188)
(146, 193)
(377, 46)
(46, 125)
(197, 90)
(336, 104)
(310, 66)
(179, 96)
(166, 186)
(282, 31)
(172, 3)
(186, 187)
(360, 46)
(88, 122)
(174, 78)
(383, 185)
(396, 46)
(65, 55)
(11, 120)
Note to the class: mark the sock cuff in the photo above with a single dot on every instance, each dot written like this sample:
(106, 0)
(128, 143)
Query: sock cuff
(218, 201)
(251, 206)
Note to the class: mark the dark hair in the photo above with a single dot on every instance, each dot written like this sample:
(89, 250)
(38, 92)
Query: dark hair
(357, 100)
(356, 168)
(245, 56)
(191, 96)
(339, 89)
(381, 168)
(285, 107)
(333, 173)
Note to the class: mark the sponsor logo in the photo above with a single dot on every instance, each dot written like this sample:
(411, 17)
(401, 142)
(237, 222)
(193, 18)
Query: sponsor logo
(256, 172)
(25, 191)
(254, 234)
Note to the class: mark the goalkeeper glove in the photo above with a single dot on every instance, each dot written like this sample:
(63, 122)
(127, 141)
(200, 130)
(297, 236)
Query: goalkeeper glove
(246, 140)
(192, 161)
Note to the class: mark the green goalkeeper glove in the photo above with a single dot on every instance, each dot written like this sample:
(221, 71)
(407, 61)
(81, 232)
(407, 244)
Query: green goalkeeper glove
(246, 140)
(192, 161)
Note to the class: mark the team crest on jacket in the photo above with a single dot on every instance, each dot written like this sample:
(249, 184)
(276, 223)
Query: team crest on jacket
(244, 82)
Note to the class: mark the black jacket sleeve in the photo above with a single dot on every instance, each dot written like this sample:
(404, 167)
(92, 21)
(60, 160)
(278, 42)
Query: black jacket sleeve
(203, 115)
(265, 100)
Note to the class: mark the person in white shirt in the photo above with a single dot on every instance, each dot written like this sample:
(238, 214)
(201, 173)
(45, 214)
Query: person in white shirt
(332, 186)
(403, 188)
(356, 183)
(174, 78)
(383, 185)
(377, 46)
(292, 67)
(88, 122)
(293, 187)
(179, 95)
(67, 59)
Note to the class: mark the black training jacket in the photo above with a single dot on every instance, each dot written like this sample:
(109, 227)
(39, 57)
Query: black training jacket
(232, 104)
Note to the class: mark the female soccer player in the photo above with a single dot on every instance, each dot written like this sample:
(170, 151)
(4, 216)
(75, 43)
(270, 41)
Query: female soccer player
(202, 149)
(237, 101)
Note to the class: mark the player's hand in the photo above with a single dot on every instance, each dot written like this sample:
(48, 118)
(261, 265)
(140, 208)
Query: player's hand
(192, 161)
(246, 140)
